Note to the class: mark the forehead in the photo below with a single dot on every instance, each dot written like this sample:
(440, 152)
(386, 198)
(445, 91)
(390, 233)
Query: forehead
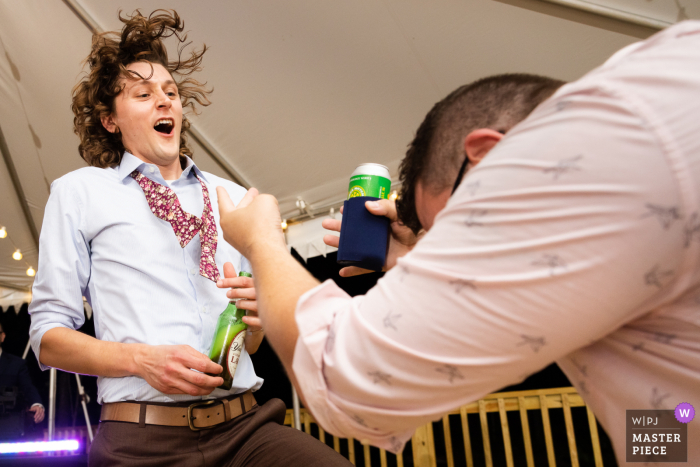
(160, 74)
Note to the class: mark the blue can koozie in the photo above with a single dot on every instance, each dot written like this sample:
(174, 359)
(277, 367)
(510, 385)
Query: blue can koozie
(364, 237)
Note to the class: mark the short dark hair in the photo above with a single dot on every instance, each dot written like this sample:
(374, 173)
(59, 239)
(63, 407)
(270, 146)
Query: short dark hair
(436, 153)
(141, 39)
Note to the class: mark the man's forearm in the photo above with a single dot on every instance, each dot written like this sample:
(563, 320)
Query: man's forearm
(280, 281)
(76, 352)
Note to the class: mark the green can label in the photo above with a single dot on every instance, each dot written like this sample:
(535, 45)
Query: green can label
(369, 185)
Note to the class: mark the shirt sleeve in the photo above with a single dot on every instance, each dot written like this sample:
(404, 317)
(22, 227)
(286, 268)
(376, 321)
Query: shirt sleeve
(64, 266)
(566, 231)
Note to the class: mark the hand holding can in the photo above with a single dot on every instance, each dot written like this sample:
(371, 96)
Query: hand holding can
(363, 236)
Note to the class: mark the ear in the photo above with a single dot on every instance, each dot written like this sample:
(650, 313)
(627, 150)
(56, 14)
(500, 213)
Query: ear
(479, 142)
(109, 124)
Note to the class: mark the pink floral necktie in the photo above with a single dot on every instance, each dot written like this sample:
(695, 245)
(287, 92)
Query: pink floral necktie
(165, 205)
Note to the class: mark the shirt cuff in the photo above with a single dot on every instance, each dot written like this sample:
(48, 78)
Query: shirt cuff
(314, 316)
(34, 405)
(37, 333)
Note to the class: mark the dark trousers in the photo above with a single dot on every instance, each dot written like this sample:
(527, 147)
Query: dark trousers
(256, 438)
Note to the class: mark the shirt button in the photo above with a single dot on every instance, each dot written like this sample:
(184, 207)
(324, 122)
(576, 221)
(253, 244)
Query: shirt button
(152, 170)
(193, 271)
(204, 309)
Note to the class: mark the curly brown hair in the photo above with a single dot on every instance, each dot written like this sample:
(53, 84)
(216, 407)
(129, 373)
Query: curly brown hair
(141, 39)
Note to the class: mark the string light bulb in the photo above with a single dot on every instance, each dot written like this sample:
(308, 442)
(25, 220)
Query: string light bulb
(284, 224)
(3, 232)
(17, 255)
(394, 195)
(31, 272)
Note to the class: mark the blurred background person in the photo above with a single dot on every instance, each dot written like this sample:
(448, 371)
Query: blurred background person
(15, 381)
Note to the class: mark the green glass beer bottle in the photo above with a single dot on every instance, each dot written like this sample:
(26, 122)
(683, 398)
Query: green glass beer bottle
(229, 340)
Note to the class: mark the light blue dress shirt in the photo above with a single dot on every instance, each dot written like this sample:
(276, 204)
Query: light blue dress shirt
(100, 240)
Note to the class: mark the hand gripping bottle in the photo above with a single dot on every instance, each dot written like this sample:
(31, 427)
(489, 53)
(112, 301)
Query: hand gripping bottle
(229, 340)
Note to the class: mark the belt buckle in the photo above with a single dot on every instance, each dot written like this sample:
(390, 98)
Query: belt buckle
(190, 420)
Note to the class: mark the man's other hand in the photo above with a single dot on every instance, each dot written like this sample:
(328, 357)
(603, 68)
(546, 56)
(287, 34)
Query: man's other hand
(178, 369)
(38, 412)
(244, 289)
(402, 239)
(254, 222)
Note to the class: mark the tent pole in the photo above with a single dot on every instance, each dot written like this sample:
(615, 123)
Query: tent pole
(84, 399)
(235, 175)
(15, 287)
(296, 410)
(26, 350)
(80, 12)
(52, 403)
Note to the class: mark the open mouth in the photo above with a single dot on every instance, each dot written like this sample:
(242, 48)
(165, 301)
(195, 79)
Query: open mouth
(164, 125)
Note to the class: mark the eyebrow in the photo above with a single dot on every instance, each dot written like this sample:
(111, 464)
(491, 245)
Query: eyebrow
(149, 82)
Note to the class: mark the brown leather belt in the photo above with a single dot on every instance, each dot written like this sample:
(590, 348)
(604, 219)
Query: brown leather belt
(198, 416)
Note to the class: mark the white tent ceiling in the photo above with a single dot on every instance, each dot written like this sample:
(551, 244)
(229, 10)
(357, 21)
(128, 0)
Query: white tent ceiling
(304, 90)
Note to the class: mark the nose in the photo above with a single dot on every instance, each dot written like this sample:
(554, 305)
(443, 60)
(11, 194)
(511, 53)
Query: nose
(163, 101)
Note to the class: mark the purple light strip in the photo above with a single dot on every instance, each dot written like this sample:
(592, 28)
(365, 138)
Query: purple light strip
(40, 446)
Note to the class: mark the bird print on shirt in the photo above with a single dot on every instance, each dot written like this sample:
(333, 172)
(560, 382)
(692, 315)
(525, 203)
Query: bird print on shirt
(452, 372)
(691, 230)
(474, 214)
(403, 272)
(396, 445)
(657, 398)
(663, 337)
(561, 105)
(535, 343)
(359, 420)
(390, 320)
(380, 377)
(564, 166)
(665, 215)
(554, 262)
(656, 277)
(461, 284)
(472, 187)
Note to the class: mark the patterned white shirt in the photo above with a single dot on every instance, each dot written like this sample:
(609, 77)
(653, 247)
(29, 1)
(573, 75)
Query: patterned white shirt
(576, 240)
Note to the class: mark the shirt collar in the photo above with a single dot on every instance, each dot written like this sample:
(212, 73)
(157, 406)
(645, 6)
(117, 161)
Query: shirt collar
(192, 166)
(130, 163)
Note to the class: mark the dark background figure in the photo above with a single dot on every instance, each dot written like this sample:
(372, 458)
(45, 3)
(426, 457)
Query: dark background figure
(17, 393)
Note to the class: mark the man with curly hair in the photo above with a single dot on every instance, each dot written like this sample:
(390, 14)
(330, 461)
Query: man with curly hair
(127, 234)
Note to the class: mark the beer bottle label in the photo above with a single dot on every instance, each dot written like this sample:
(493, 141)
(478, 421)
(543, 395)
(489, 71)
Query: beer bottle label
(234, 352)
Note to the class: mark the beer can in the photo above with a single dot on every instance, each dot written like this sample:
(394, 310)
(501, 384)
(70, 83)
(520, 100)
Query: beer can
(370, 180)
